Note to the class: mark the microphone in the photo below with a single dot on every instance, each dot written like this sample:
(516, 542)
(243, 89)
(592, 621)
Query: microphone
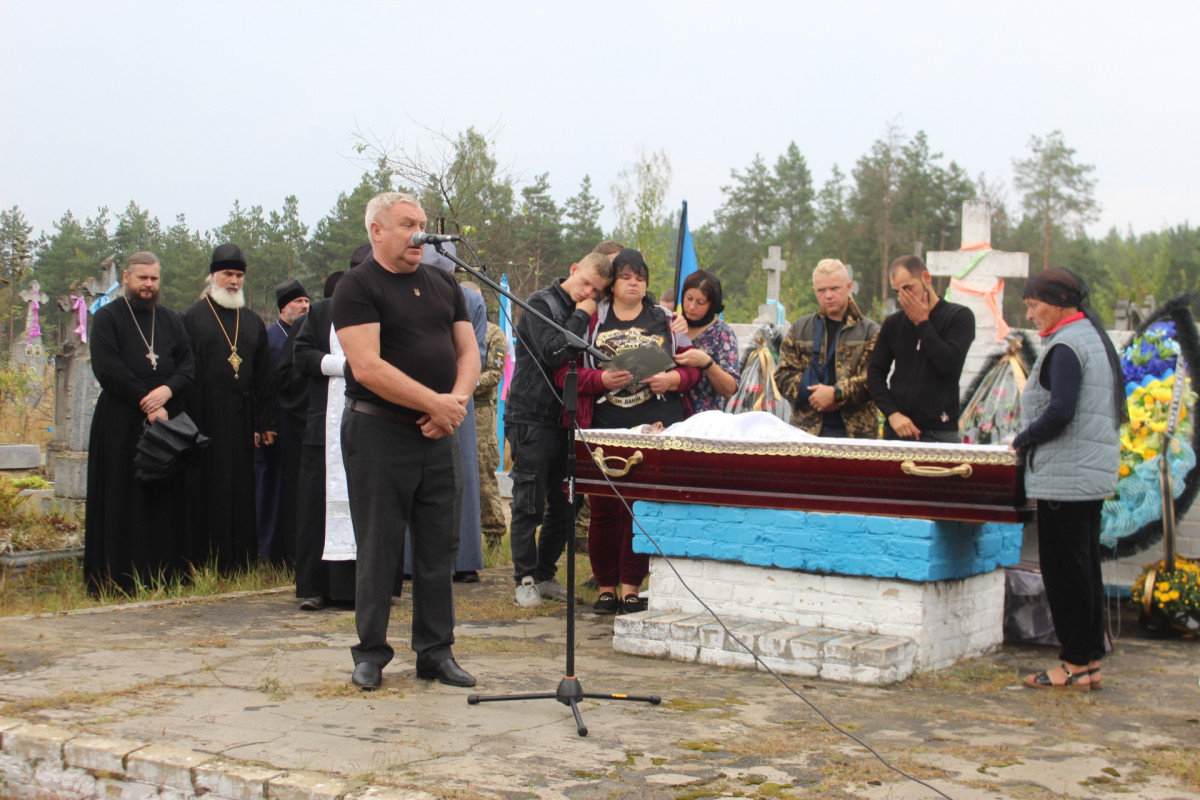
(422, 238)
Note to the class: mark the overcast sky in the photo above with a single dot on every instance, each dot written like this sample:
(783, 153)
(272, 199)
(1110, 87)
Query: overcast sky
(187, 106)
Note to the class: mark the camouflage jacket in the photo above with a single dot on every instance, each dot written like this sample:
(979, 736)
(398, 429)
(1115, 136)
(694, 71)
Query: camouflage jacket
(854, 344)
(493, 366)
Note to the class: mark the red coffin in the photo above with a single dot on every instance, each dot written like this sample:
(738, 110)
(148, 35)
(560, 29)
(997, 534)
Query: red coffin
(970, 483)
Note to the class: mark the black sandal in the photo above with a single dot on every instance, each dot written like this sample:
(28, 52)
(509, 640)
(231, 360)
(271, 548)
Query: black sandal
(1043, 681)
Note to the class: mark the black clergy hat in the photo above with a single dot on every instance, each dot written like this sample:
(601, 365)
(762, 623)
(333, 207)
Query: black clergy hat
(288, 291)
(361, 254)
(227, 256)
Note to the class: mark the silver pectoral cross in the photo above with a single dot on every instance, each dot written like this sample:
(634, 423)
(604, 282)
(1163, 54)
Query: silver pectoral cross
(153, 357)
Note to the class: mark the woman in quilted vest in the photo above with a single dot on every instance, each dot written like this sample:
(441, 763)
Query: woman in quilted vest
(1071, 410)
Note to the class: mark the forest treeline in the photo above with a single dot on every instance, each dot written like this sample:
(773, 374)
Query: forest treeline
(901, 196)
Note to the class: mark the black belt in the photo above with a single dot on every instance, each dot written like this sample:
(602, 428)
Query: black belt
(363, 407)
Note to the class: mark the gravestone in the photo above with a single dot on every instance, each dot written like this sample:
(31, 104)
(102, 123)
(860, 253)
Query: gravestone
(75, 393)
(772, 312)
(27, 351)
(977, 274)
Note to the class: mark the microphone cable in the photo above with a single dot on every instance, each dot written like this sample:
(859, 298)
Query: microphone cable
(758, 661)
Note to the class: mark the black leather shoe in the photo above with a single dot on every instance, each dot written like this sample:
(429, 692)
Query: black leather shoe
(367, 675)
(470, 576)
(313, 604)
(447, 672)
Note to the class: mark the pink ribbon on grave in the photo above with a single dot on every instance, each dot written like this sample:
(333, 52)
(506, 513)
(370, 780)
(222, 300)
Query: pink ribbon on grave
(989, 295)
(80, 306)
(35, 330)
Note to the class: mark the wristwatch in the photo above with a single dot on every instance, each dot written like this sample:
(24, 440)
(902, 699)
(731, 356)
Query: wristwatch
(837, 395)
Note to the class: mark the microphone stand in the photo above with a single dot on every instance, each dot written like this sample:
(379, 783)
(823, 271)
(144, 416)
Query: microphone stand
(570, 690)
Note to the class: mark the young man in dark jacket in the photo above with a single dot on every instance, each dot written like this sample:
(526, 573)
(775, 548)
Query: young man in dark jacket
(533, 428)
(927, 339)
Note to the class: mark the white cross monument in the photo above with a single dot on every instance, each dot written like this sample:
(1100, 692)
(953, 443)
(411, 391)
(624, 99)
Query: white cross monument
(772, 311)
(982, 285)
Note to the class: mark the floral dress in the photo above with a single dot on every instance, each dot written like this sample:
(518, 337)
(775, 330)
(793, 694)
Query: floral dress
(720, 343)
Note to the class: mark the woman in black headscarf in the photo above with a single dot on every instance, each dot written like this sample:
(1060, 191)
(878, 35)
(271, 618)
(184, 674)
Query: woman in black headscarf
(1072, 409)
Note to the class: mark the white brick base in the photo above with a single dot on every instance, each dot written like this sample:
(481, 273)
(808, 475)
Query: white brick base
(800, 623)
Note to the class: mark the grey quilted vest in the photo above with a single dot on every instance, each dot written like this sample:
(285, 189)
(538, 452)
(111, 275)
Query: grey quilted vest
(1081, 462)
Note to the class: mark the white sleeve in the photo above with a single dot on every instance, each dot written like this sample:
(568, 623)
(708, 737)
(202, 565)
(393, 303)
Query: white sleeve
(333, 365)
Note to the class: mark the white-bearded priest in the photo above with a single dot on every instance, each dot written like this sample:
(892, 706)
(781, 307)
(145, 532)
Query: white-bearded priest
(232, 401)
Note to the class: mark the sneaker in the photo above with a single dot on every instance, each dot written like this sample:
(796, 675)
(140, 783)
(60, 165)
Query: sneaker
(553, 590)
(527, 594)
(632, 604)
(606, 604)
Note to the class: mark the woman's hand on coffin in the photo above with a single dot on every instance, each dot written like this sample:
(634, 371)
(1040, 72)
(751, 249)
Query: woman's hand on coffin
(661, 382)
(616, 379)
(821, 397)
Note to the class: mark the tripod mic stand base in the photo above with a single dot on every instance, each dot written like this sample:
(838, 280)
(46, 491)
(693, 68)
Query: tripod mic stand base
(569, 693)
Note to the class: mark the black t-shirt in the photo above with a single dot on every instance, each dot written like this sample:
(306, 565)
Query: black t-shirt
(416, 312)
(635, 404)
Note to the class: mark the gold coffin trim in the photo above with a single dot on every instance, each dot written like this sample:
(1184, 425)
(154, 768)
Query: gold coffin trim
(627, 464)
(868, 450)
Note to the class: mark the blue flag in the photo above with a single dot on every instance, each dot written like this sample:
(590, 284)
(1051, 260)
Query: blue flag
(685, 257)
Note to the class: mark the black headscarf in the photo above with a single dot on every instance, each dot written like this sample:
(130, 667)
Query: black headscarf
(1058, 286)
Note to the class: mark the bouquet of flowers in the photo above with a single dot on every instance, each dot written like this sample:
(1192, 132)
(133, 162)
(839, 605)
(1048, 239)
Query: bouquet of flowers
(1149, 365)
(1170, 599)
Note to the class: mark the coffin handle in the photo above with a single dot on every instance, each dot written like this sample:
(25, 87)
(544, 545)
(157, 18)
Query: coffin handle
(627, 464)
(910, 468)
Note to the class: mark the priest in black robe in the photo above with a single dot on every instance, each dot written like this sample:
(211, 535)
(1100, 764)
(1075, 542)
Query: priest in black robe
(277, 468)
(143, 362)
(233, 402)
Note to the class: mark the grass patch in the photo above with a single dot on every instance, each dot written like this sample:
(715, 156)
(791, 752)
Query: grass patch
(1177, 763)
(22, 528)
(59, 586)
(975, 675)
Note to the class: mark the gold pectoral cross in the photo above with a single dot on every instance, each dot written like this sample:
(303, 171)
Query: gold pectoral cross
(234, 360)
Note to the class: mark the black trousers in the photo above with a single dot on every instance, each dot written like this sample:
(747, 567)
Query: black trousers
(397, 478)
(1069, 550)
(539, 468)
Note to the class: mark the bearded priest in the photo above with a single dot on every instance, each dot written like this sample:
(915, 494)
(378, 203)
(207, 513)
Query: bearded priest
(141, 358)
(232, 401)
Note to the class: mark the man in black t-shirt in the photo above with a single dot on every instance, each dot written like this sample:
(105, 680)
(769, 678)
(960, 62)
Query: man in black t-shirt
(412, 365)
(927, 340)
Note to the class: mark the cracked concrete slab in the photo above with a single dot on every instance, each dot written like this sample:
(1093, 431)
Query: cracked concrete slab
(252, 680)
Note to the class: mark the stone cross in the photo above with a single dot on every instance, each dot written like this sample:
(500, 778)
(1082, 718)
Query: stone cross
(775, 266)
(27, 350)
(981, 289)
(33, 295)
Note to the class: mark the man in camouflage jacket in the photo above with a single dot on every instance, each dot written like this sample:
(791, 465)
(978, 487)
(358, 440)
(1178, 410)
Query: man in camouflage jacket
(832, 398)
